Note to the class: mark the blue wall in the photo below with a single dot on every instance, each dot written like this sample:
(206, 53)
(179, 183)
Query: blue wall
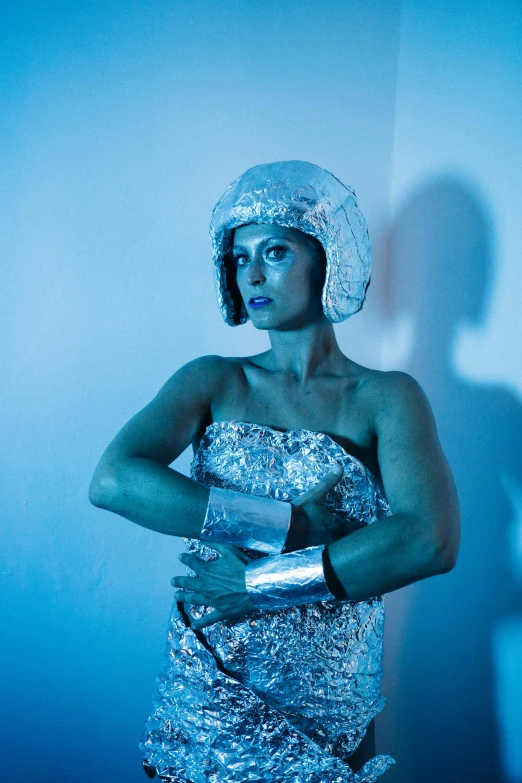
(122, 124)
(452, 319)
(120, 127)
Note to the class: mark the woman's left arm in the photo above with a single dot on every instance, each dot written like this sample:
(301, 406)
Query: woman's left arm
(421, 538)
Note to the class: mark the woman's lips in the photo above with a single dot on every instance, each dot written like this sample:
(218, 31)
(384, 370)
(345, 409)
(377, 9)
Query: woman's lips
(259, 301)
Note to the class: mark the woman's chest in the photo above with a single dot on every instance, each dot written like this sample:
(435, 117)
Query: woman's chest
(331, 406)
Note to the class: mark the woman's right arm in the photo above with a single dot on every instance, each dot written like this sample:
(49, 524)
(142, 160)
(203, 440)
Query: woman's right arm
(133, 479)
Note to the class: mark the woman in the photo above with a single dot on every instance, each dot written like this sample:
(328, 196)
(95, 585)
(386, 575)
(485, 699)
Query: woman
(317, 486)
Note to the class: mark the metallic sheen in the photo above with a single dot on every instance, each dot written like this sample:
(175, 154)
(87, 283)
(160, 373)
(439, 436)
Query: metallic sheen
(284, 695)
(300, 195)
(291, 579)
(246, 521)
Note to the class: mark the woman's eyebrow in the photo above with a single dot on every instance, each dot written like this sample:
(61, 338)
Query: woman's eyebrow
(263, 243)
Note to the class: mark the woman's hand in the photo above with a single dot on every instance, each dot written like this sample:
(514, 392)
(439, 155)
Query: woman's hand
(221, 583)
(218, 583)
(312, 524)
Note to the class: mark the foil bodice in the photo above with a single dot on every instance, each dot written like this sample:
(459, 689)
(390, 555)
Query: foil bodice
(261, 460)
(306, 677)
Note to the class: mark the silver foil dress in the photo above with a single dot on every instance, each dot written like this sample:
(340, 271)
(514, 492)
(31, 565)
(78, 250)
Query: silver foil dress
(283, 696)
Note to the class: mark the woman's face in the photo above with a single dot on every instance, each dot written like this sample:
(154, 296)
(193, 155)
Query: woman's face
(280, 275)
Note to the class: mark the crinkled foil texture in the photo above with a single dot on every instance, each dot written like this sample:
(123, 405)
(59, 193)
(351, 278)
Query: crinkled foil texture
(300, 195)
(283, 695)
(292, 579)
(246, 521)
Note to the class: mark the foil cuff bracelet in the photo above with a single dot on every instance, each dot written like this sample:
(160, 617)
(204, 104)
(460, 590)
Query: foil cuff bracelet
(247, 521)
(288, 580)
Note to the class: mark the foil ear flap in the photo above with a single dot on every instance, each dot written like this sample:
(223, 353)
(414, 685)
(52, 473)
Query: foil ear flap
(299, 195)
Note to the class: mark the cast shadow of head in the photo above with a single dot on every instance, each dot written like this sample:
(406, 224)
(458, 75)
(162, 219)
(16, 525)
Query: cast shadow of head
(439, 270)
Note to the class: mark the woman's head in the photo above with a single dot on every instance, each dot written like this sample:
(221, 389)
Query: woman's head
(279, 273)
(304, 197)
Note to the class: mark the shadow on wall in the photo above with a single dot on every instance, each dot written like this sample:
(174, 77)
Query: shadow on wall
(447, 691)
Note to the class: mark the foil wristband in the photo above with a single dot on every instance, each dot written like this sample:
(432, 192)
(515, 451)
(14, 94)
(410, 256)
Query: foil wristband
(246, 521)
(291, 579)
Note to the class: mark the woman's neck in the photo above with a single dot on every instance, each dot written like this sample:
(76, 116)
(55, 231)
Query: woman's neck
(309, 351)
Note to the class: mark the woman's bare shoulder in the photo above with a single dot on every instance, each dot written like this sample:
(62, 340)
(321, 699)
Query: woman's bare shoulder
(390, 392)
(209, 368)
(392, 381)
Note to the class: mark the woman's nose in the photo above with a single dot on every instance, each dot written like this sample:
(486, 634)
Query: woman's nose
(255, 273)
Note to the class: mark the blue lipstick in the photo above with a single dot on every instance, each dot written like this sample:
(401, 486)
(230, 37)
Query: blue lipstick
(259, 301)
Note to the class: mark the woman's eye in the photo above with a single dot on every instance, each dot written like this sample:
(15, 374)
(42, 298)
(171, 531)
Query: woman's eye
(276, 252)
(240, 260)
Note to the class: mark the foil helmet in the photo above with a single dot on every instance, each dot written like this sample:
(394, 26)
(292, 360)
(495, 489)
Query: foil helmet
(299, 195)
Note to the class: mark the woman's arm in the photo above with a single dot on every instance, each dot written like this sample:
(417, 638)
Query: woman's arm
(420, 539)
(422, 536)
(133, 479)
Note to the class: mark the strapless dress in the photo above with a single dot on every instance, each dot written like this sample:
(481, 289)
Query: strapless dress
(283, 695)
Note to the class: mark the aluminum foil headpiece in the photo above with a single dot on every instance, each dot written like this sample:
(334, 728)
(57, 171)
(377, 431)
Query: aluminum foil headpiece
(299, 195)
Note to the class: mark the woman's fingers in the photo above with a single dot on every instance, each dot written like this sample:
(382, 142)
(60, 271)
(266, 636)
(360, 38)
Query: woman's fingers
(316, 493)
(186, 597)
(194, 562)
(186, 582)
(208, 619)
(190, 594)
(219, 584)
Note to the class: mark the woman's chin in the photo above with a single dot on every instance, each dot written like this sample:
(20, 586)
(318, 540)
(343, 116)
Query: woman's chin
(264, 319)
(263, 323)
(283, 321)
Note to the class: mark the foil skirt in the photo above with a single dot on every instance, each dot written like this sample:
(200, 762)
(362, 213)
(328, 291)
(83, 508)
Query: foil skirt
(285, 695)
